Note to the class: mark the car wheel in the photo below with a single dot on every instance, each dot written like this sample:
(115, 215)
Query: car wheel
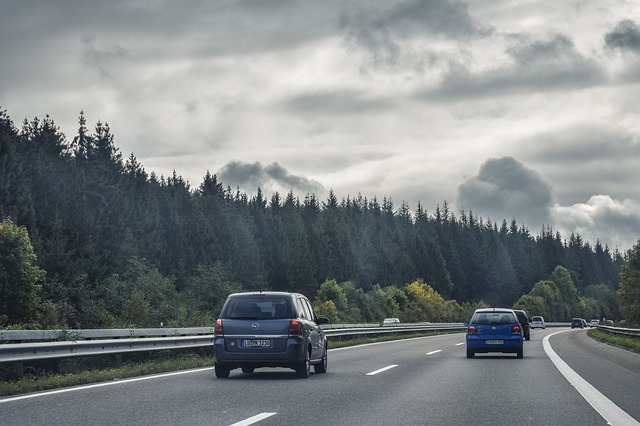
(221, 371)
(303, 370)
(470, 353)
(321, 367)
(247, 369)
(519, 353)
(528, 337)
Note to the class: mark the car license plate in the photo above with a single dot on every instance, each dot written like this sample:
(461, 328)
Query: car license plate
(494, 342)
(254, 343)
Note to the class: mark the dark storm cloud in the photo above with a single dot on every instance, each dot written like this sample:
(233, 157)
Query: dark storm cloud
(625, 36)
(102, 58)
(586, 159)
(584, 143)
(506, 189)
(270, 178)
(335, 103)
(543, 65)
(385, 33)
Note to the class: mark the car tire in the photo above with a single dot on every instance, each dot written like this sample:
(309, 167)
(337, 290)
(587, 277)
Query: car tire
(528, 337)
(470, 353)
(321, 367)
(247, 370)
(221, 371)
(304, 370)
(520, 353)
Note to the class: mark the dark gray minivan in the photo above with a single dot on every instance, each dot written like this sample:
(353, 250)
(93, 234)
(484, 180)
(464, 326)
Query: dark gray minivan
(269, 329)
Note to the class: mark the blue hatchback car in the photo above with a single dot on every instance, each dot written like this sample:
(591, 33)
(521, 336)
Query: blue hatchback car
(494, 330)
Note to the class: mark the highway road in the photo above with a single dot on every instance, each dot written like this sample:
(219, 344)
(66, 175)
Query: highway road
(565, 378)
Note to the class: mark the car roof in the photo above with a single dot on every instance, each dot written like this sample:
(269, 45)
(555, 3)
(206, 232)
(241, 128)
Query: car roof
(264, 293)
(495, 310)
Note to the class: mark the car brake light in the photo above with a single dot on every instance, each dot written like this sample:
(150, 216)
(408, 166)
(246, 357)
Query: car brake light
(471, 329)
(295, 328)
(516, 329)
(217, 330)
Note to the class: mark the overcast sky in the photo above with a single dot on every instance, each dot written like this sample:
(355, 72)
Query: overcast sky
(509, 109)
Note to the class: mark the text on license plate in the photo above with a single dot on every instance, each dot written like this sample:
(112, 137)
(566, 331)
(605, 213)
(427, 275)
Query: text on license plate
(256, 343)
(494, 342)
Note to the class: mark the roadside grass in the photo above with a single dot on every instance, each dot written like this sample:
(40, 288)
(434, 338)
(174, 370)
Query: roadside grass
(35, 383)
(42, 382)
(627, 342)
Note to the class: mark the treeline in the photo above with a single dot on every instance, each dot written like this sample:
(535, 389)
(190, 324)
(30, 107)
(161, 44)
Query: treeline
(120, 246)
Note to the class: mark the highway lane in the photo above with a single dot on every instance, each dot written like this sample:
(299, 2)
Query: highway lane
(612, 371)
(421, 381)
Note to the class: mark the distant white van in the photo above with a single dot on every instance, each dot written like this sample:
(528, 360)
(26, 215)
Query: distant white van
(537, 322)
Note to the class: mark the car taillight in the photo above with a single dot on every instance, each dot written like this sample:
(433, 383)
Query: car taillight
(217, 330)
(471, 329)
(516, 329)
(295, 328)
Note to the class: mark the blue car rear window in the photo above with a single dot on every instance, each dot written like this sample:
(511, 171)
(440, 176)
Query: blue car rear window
(493, 318)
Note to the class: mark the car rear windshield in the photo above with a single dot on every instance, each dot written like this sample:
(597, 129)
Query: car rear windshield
(253, 308)
(536, 319)
(494, 318)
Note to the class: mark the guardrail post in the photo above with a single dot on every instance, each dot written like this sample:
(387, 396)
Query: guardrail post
(118, 360)
(18, 369)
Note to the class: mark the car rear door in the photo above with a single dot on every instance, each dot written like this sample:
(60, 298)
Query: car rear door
(246, 331)
(312, 329)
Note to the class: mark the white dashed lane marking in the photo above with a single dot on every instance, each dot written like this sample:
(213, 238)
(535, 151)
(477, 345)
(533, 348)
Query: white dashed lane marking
(373, 373)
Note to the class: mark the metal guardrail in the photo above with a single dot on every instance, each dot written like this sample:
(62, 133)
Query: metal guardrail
(102, 342)
(118, 341)
(98, 333)
(634, 332)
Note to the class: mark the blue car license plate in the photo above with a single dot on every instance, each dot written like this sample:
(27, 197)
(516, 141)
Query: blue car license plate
(256, 343)
(494, 342)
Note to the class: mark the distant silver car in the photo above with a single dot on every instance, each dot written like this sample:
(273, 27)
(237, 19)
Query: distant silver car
(390, 321)
(269, 329)
(537, 322)
(594, 323)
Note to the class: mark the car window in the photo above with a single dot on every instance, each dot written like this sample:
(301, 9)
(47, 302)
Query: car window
(305, 309)
(250, 308)
(493, 318)
(312, 314)
(302, 309)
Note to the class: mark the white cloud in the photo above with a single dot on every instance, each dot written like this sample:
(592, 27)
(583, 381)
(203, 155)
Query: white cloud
(613, 222)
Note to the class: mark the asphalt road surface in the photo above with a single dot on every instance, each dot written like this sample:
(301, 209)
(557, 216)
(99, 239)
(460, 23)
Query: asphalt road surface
(565, 378)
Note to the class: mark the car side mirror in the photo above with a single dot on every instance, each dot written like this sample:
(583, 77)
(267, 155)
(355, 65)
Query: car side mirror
(322, 320)
(466, 323)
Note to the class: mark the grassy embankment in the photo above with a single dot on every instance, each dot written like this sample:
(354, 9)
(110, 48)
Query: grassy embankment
(627, 342)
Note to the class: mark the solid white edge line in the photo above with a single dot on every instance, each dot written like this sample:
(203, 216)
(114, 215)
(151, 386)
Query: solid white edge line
(613, 414)
(254, 419)
(460, 344)
(101, 384)
(373, 373)
(433, 352)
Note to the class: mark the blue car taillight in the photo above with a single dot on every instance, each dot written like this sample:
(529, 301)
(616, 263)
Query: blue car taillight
(516, 329)
(218, 331)
(471, 329)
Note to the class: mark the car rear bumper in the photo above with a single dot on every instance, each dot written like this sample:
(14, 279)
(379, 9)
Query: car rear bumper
(479, 344)
(293, 355)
